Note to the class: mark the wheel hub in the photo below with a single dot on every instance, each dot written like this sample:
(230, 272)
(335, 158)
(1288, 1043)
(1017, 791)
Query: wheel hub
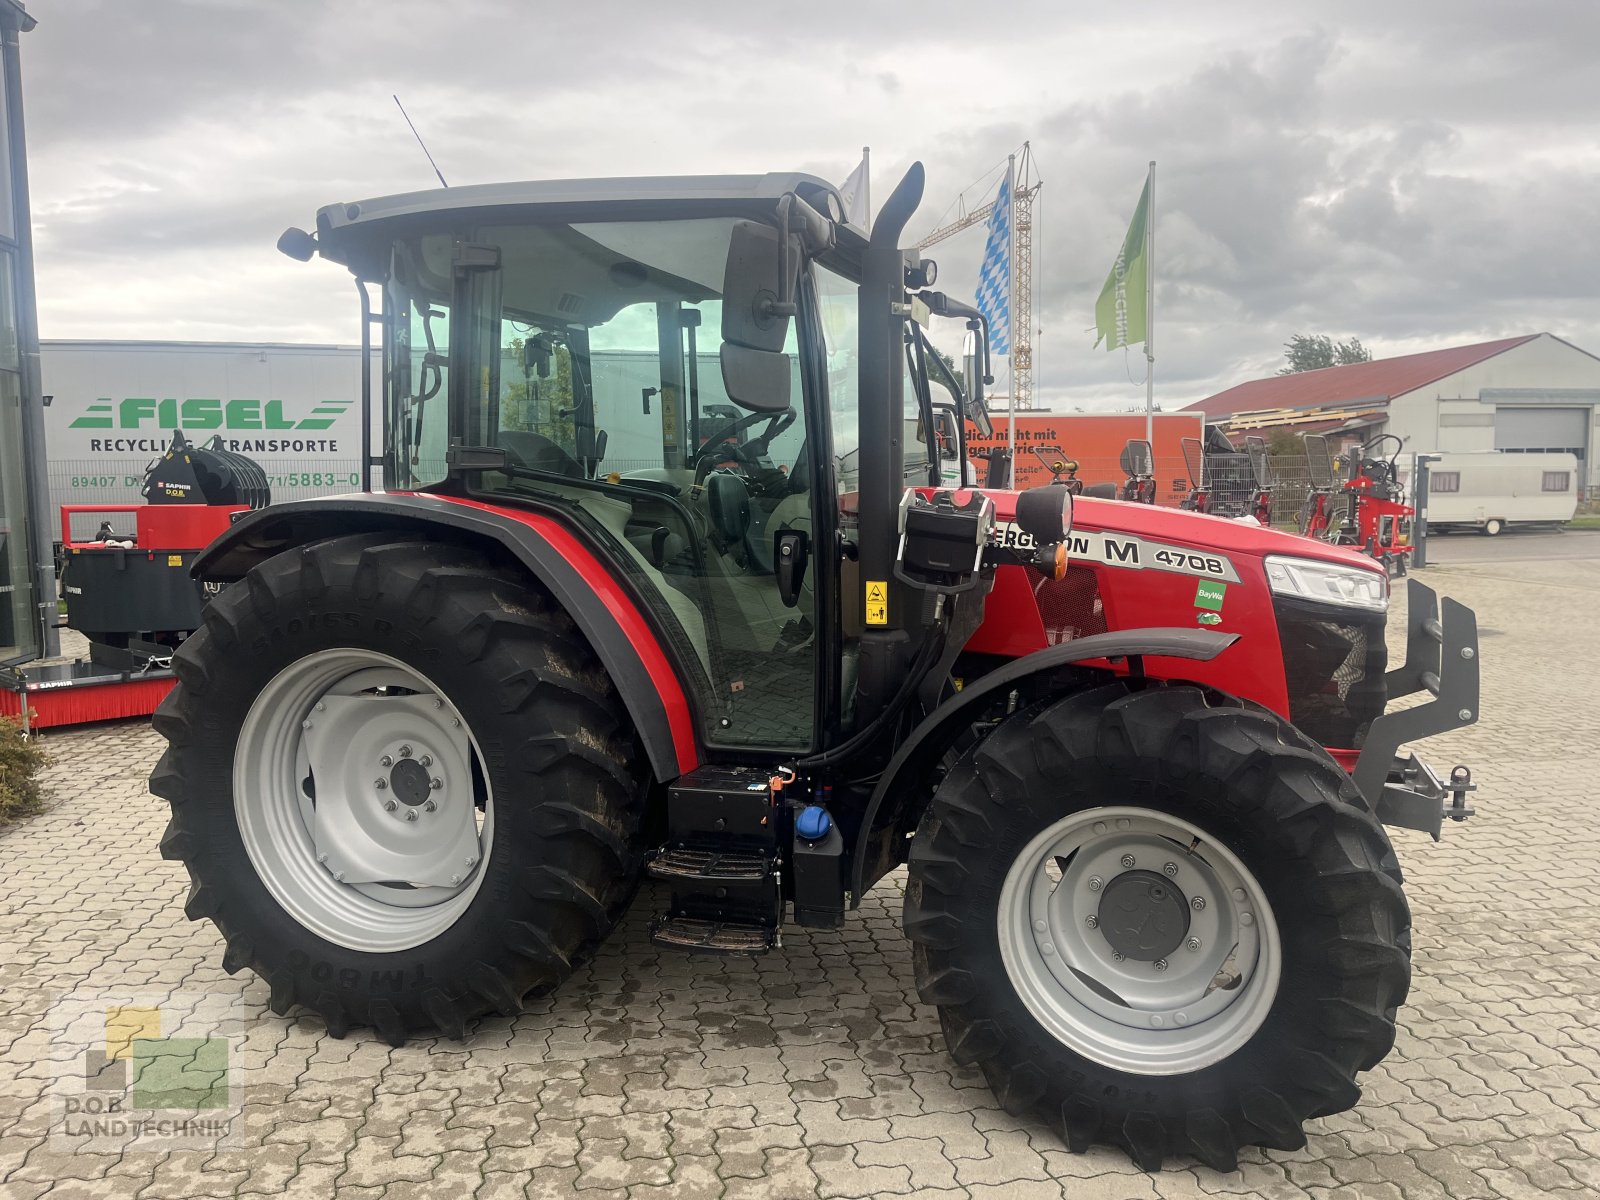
(1143, 915)
(408, 779)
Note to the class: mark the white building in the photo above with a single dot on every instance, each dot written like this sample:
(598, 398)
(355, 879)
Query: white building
(1532, 393)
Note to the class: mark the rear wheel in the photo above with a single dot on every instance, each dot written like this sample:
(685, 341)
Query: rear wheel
(405, 790)
(1493, 526)
(1164, 922)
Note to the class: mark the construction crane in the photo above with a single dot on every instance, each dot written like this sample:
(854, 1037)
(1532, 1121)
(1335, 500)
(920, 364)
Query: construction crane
(1024, 190)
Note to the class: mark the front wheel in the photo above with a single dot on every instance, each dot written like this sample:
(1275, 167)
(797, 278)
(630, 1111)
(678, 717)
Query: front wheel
(404, 789)
(1161, 921)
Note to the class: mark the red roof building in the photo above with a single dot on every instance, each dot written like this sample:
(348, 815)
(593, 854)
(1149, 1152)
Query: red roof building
(1535, 392)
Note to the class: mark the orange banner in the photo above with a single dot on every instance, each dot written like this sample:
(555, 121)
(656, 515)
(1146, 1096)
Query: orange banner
(1096, 442)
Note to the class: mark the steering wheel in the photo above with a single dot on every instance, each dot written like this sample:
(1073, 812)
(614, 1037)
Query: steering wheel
(714, 442)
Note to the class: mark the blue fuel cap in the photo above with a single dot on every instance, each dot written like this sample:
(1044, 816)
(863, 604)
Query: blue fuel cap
(813, 822)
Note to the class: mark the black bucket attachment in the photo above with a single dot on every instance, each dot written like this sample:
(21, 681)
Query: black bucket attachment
(190, 474)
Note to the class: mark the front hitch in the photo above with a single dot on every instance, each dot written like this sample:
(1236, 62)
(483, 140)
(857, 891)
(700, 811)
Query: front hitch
(1441, 659)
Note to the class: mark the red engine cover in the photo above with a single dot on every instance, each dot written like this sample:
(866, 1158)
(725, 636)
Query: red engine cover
(1134, 566)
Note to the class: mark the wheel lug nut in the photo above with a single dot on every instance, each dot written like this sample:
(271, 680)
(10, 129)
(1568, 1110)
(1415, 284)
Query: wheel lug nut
(1127, 860)
(322, 858)
(426, 760)
(411, 814)
(1092, 921)
(380, 783)
(1161, 964)
(437, 703)
(1247, 918)
(321, 707)
(455, 879)
(471, 862)
(1040, 926)
(305, 724)
(1096, 883)
(338, 876)
(1198, 903)
(1194, 943)
(435, 784)
(386, 761)
(1238, 894)
(405, 751)
(389, 806)
(430, 806)
(1170, 870)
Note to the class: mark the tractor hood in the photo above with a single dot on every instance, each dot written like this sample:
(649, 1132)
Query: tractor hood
(1198, 530)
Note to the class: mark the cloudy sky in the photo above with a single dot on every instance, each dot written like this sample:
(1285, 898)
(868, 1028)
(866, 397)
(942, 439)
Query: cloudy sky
(1417, 173)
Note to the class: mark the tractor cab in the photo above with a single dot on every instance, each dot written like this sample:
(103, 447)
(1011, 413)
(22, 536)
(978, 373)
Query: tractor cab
(674, 371)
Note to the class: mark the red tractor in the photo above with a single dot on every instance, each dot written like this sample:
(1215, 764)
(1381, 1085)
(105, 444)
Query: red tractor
(1367, 510)
(1137, 760)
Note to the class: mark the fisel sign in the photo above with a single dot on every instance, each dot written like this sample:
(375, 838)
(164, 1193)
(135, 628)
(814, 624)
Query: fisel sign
(295, 410)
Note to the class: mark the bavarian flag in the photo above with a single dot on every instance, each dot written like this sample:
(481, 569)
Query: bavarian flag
(1119, 314)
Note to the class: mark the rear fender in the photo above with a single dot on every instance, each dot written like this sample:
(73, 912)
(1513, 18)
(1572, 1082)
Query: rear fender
(897, 800)
(550, 550)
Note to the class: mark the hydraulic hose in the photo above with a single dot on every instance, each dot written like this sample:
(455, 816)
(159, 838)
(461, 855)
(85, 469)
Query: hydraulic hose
(927, 655)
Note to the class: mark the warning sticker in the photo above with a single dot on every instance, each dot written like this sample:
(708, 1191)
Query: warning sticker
(174, 560)
(877, 602)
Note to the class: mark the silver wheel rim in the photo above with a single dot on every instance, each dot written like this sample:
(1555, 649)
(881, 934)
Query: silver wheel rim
(385, 848)
(1068, 903)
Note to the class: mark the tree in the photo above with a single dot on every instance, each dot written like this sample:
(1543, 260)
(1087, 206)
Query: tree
(1312, 352)
(1285, 443)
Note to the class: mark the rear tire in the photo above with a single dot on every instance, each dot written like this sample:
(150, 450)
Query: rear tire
(1493, 526)
(1277, 830)
(380, 644)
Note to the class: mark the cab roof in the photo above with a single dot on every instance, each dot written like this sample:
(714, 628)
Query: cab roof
(666, 195)
(688, 191)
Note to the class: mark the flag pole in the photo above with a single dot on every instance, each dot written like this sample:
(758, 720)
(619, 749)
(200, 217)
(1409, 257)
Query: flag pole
(1011, 308)
(1150, 317)
(866, 182)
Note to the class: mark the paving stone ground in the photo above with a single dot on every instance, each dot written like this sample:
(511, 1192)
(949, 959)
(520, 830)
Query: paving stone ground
(815, 1072)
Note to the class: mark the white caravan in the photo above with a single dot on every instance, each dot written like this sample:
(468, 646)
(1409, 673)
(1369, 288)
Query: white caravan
(1491, 489)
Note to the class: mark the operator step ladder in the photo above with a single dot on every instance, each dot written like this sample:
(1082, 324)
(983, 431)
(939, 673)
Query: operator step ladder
(725, 826)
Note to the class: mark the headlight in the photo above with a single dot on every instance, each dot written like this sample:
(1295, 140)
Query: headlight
(1328, 583)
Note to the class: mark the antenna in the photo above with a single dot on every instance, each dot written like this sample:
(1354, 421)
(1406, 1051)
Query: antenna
(420, 142)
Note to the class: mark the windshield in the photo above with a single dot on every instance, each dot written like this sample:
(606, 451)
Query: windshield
(589, 355)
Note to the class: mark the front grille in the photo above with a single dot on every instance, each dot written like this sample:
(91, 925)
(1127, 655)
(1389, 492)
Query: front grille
(1069, 607)
(1333, 663)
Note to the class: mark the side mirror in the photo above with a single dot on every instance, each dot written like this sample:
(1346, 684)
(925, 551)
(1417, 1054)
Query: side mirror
(759, 285)
(297, 244)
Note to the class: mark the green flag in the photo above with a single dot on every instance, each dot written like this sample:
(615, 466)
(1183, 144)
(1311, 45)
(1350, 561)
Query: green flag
(1119, 314)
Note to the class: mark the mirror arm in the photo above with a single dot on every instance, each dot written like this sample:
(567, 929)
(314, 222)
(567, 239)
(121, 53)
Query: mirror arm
(784, 306)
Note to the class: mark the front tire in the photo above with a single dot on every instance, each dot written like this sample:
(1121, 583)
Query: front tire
(405, 790)
(1082, 873)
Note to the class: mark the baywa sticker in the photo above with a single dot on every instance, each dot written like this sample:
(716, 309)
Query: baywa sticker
(1210, 595)
(1133, 553)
